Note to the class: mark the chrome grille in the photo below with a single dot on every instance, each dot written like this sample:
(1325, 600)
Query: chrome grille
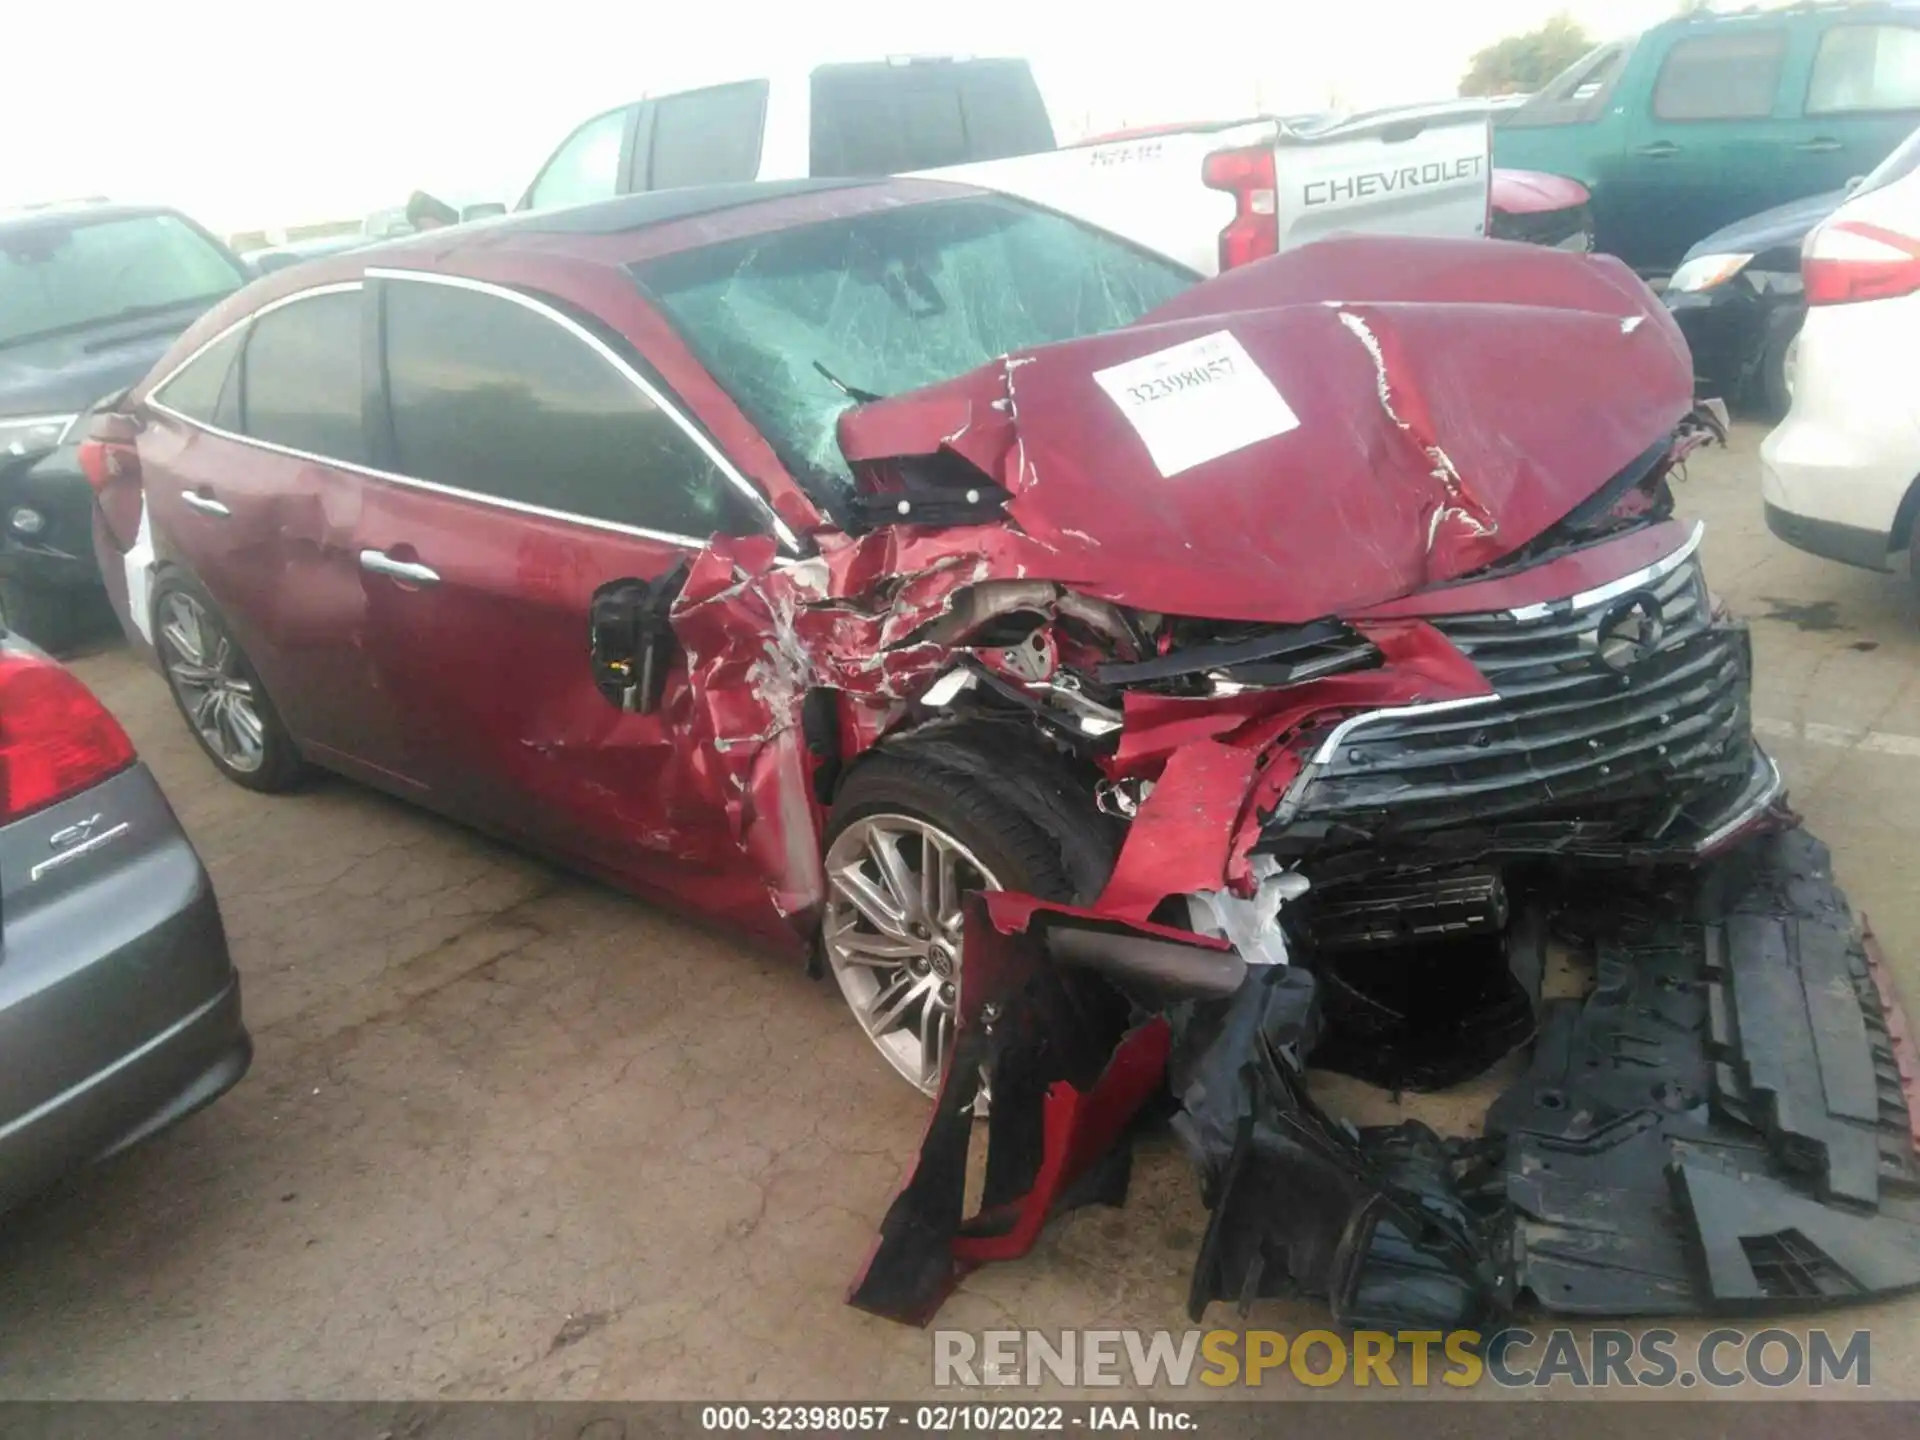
(1650, 753)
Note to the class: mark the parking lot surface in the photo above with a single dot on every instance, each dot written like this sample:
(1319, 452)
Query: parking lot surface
(512, 1134)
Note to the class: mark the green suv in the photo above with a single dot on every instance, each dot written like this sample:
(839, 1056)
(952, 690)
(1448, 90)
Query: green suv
(1712, 117)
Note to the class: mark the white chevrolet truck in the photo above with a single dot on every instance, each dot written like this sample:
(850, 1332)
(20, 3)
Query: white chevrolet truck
(1209, 196)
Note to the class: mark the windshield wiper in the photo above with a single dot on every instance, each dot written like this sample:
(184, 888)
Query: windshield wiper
(118, 317)
(852, 392)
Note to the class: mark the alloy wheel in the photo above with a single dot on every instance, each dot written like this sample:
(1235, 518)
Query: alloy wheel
(204, 669)
(893, 936)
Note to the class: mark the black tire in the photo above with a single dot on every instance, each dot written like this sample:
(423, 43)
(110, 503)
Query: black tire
(1022, 812)
(1022, 816)
(49, 617)
(1770, 381)
(281, 766)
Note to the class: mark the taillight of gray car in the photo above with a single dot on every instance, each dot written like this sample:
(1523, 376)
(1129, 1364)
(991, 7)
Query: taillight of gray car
(119, 1005)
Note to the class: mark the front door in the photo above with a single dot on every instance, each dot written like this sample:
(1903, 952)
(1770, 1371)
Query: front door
(536, 470)
(252, 466)
(1862, 99)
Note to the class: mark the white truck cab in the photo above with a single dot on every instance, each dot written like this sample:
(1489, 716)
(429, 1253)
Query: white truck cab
(1208, 196)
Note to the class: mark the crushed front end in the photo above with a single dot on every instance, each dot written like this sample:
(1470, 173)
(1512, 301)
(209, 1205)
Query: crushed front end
(1521, 819)
(1329, 636)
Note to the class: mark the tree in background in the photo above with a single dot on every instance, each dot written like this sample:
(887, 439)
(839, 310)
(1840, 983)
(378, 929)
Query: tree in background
(1521, 64)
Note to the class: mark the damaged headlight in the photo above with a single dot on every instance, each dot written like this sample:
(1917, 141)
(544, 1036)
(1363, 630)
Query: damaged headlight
(1703, 272)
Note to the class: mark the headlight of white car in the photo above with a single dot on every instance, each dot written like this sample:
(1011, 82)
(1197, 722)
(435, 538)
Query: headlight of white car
(1707, 271)
(28, 434)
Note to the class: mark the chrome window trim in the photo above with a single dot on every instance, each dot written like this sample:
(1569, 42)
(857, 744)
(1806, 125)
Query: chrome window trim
(335, 287)
(1625, 585)
(626, 371)
(332, 287)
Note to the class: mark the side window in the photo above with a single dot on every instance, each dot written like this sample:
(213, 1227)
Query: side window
(885, 119)
(707, 137)
(1730, 76)
(585, 167)
(208, 390)
(1577, 94)
(491, 397)
(1865, 67)
(1005, 115)
(301, 377)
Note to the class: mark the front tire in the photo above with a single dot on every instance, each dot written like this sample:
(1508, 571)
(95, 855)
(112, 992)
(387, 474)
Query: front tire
(912, 830)
(219, 693)
(1776, 376)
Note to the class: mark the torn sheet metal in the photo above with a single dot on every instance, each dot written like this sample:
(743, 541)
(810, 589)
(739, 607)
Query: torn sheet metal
(1068, 1074)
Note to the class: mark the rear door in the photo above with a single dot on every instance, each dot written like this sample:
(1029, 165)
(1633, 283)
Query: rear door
(1711, 144)
(533, 465)
(253, 462)
(1862, 98)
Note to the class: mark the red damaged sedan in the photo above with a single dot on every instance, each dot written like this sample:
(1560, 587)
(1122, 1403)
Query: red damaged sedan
(1115, 680)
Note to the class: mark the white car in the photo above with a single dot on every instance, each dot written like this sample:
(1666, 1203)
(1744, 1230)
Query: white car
(1841, 474)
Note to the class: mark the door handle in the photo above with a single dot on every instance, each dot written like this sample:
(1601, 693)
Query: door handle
(1658, 150)
(205, 504)
(1818, 145)
(381, 563)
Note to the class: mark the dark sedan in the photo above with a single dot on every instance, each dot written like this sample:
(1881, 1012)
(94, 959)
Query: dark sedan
(1737, 299)
(119, 1006)
(90, 296)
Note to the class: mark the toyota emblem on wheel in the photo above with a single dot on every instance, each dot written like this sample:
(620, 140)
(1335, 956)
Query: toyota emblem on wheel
(1628, 633)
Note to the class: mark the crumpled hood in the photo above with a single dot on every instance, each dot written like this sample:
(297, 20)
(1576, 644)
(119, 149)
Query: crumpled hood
(1335, 427)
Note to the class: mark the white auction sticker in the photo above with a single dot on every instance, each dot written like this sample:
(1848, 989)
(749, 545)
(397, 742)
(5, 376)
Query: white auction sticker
(1197, 400)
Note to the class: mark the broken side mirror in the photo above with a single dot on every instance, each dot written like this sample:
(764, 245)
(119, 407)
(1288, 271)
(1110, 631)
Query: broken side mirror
(631, 639)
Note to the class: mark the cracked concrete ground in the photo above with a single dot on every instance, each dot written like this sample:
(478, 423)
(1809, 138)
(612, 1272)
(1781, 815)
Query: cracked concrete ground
(512, 1134)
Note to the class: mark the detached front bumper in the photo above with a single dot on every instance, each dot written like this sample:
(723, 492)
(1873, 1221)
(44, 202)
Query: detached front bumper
(1724, 1123)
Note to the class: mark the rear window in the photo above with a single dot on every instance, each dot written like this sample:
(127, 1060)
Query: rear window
(886, 119)
(790, 323)
(707, 137)
(1730, 76)
(71, 273)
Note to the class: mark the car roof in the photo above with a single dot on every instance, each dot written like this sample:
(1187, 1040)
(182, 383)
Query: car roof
(1860, 10)
(581, 248)
(636, 228)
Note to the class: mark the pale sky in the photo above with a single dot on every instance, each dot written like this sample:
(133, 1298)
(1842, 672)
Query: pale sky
(261, 113)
